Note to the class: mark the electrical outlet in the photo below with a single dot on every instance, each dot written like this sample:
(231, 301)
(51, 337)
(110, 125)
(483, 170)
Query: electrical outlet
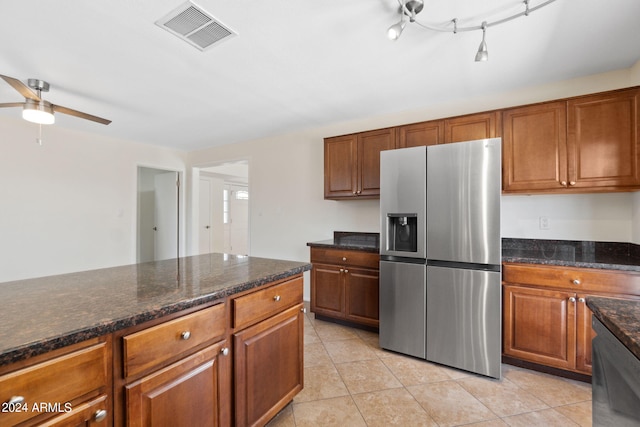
(544, 223)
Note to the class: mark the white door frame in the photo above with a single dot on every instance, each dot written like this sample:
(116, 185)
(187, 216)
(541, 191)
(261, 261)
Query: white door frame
(180, 208)
(194, 219)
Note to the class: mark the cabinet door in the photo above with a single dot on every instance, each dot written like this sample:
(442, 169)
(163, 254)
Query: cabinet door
(534, 148)
(370, 144)
(603, 140)
(327, 290)
(585, 332)
(421, 134)
(340, 169)
(362, 295)
(584, 335)
(540, 326)
(191, 392)
(473, 126)
(268, 366)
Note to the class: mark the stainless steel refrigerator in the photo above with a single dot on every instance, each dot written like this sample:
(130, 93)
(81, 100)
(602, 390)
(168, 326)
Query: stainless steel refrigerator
(459, 293)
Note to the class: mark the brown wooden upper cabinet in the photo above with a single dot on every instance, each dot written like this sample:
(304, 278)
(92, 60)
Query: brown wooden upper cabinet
(421, 134)
(602, 140)
(472, 126)
(352, 163)
(534, 147)
(584, 144)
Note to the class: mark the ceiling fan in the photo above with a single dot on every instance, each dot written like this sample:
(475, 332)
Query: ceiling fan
(37, 110)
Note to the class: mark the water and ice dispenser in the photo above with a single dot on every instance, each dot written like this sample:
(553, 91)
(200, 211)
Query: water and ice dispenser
(402, 232)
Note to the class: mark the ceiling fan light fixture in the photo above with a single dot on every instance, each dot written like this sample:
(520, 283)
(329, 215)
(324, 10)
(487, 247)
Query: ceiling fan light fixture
(40, 112)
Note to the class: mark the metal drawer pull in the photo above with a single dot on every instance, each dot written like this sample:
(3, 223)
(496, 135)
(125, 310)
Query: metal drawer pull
(185, 335)
(576, 282)
(16, 400)
(100, 415)
(276, 298)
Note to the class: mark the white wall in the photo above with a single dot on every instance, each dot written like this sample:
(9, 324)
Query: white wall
(635, 220)
(286, 179)
(70, 204)
(601, 217)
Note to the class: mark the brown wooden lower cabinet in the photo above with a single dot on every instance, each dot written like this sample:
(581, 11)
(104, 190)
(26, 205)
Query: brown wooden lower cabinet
(69, 386)
(185, 369)
(268, 367)
(539, 326)
(546, 320)
(187, 393)
(345, 285)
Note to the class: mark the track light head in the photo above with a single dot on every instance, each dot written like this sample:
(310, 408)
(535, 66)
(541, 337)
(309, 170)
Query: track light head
(483, 53)
(395, 30)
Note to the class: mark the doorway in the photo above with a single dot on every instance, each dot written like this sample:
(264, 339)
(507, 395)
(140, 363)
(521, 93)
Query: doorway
(223, 210)
(158, 231)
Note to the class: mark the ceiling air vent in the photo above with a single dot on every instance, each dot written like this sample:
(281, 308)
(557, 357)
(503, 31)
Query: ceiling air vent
(195, 26)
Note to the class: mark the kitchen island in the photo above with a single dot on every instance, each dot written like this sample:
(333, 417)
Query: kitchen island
(118, 335)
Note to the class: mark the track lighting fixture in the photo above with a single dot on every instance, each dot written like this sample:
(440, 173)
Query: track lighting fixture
(483, 53)
(395, 30)
(411, 8)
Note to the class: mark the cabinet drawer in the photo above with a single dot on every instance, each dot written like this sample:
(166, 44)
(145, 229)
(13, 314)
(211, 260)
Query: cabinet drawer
(574, 279)
(259, 305)
(344, 257)
(84, 414)
(155, 345)
(56, 382)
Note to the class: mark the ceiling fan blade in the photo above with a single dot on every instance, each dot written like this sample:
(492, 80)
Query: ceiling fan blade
(12, 104)
(69, 111)
(21, 87)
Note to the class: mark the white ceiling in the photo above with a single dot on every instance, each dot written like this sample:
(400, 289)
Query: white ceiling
(294, 64)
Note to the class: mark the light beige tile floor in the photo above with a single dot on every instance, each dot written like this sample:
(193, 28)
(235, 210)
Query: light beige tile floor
(350, 381)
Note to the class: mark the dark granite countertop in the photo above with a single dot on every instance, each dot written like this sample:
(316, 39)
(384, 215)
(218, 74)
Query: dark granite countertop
(568, 253)
(571, 253)
(354, 241)
(621, 317)
(43, 314)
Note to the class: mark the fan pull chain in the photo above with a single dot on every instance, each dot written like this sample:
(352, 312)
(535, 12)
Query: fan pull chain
(39, 138)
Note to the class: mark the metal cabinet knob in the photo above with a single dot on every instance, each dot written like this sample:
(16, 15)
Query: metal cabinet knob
(303, 309)
(572, 299)
(346, 271)
(15, 400)
(100, 415)
(342, 270)
(344, 258)
(581, 300)
(225, 351)
(276, 298)
(185, 335)
(576, 282)
(572, 183)
(563, 183)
